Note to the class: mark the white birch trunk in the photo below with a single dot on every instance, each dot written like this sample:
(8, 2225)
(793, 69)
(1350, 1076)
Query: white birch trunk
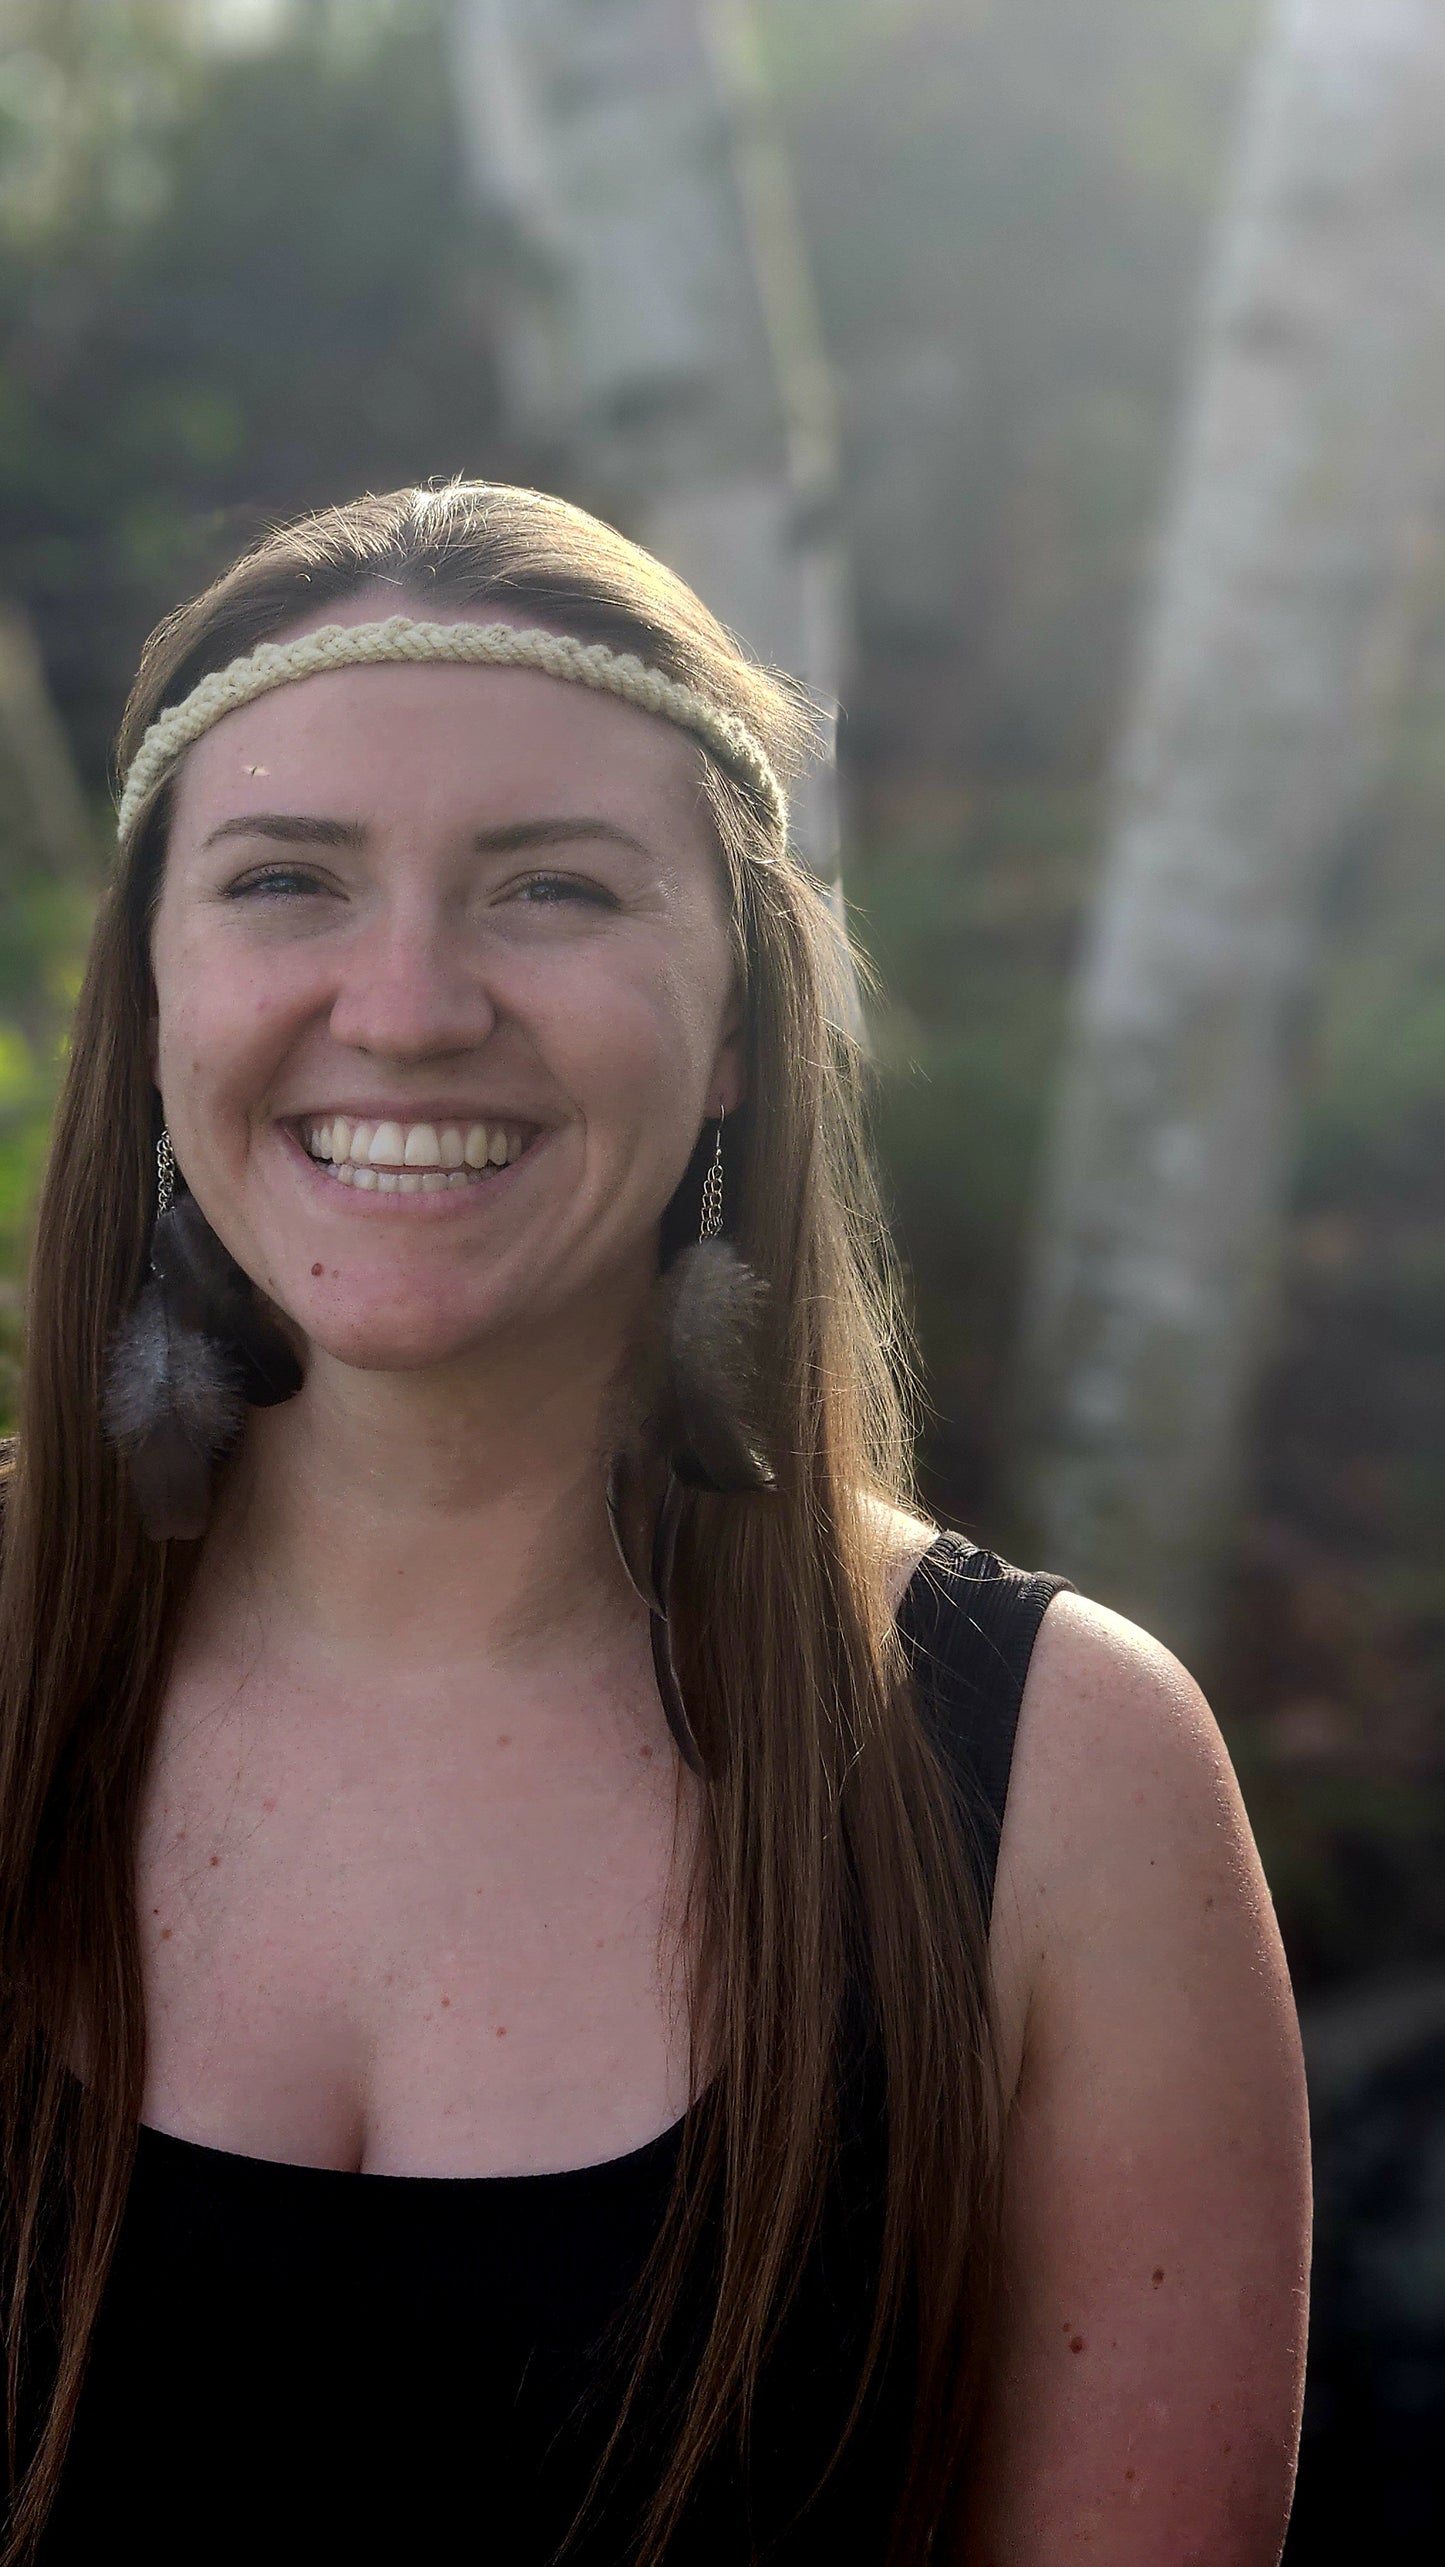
(1316, 431)
(676, 362)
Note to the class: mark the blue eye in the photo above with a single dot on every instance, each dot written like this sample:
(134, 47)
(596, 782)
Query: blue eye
(546, 890)
(274, 880)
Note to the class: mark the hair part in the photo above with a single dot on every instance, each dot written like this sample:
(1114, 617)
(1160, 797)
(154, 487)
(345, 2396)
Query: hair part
(830, 1869)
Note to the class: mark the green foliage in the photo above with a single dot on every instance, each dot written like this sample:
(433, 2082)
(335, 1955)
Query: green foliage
(297, 306)
(44, 926)
(969, 909)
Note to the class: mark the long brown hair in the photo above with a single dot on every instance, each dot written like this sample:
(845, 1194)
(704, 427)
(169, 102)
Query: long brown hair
(830, 1857)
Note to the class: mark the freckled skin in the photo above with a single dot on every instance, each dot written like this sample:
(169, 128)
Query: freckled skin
(1156, 2090)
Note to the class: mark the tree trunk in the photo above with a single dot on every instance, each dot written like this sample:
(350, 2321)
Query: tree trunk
(674, 364)
(1315, 434)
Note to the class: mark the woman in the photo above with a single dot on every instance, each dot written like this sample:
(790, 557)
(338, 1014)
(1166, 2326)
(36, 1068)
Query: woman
(504, 2040)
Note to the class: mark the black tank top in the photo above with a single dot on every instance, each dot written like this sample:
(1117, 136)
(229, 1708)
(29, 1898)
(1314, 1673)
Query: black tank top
(294, 2362)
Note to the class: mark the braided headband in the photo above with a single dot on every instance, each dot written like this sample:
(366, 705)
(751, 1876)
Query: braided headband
(274, 664)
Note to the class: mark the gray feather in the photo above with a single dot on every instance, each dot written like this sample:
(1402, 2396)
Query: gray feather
(172, 1405)
(707, 1412)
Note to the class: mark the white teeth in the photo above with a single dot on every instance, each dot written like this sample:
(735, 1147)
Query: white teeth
(416, 1158)
(388, 1146)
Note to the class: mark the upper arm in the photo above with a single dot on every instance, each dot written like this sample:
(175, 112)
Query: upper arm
(1144, 2381)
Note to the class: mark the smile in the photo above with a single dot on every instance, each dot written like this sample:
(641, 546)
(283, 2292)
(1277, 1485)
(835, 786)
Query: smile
(413, 1158)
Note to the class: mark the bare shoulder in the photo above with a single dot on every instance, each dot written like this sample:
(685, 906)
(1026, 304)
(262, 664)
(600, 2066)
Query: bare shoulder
(1124, 1814)
(1148, 2374)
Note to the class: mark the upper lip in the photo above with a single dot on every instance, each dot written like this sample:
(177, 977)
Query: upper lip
(458, 1114)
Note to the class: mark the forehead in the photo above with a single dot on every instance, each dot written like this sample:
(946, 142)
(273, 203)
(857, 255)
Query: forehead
(444, 744)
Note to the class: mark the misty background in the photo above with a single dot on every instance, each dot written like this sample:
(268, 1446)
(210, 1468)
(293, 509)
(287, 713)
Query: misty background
(1059, 387)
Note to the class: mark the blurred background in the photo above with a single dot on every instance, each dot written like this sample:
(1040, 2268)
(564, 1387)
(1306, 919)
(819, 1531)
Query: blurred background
(1059, 386)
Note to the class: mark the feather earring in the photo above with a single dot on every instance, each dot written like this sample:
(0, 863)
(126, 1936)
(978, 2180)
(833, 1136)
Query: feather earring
(697, 1425)
(193, 1354)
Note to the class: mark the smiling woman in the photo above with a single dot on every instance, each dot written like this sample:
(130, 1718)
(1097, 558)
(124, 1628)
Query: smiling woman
(479, 1710)
(500, 908)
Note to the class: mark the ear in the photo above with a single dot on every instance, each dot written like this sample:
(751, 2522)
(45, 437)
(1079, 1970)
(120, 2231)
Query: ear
(728, 1085)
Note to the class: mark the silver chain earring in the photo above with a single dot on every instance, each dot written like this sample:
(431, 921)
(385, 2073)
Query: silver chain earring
(165, 1174)
(712, 1190)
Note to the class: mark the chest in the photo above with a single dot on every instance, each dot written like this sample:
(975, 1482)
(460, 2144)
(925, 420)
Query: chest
(413, 1929)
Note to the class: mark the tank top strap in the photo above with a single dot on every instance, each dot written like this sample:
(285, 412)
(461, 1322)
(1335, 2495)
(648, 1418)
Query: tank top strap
(968, 1623)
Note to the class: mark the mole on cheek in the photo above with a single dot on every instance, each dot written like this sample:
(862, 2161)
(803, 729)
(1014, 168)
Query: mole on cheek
(316, 1270)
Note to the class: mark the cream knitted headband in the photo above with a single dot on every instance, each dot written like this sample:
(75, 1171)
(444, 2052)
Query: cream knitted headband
(332, 646)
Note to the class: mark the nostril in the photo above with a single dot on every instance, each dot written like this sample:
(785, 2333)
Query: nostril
(411, 1026)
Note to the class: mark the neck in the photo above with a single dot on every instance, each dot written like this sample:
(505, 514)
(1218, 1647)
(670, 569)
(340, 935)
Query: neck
(442, 1511)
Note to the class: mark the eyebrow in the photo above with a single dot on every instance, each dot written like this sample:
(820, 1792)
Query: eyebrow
(301, 829)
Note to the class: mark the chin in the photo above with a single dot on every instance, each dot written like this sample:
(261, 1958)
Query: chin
(396, 1341)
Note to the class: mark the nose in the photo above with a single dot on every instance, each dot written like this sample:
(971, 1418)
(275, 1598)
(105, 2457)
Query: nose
(412, 989)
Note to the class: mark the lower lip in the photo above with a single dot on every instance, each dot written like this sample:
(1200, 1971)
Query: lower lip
(444, 1203)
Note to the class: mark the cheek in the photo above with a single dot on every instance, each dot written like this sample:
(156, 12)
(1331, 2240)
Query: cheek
(637, 1046)
(219, 1030)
